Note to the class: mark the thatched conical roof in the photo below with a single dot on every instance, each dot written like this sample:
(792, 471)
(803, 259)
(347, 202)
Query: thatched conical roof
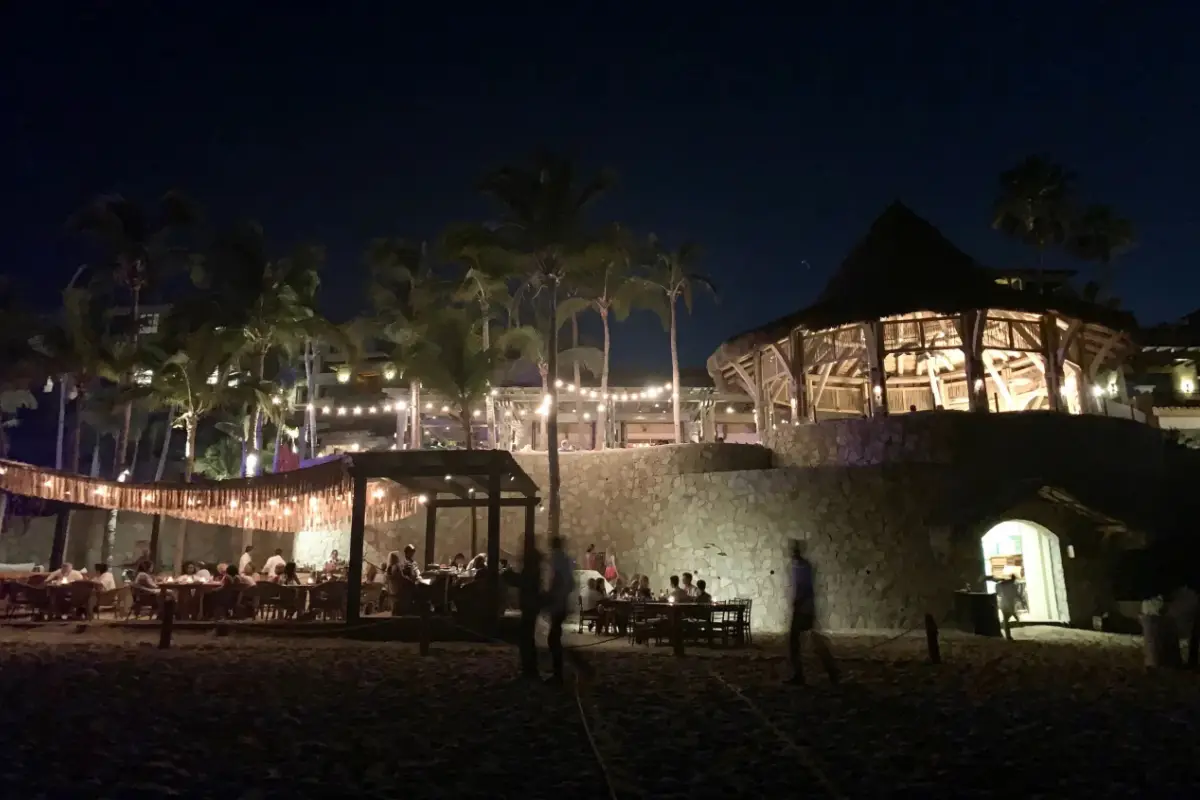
(904, 264)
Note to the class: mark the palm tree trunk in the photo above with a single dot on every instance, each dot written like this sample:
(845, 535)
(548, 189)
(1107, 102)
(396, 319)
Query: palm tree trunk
(278, 444)
(156, 526)
(310, 382)
(552, 413)
(123, 442)
(95, 468)
(675, 375)
(489, 404)
(578, 383)
(189, 462)
(62, 422)
(543, 433)
(256, 429)
(77, 434)
(414, 401)
(602, 412)
(166, 446)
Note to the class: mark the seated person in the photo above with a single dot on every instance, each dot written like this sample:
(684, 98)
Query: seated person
(592, 594)
(234, 578)
(334, 562)
(144, 578)
(290, 578)
(276, 575)
(643, 589)
(66, 572)
(105, 578)
(459, 562)
(702, 595)
(677, 594)
(203, 574)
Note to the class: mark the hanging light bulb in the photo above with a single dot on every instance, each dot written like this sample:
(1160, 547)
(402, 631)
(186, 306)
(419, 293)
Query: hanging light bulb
(387, 407)
(495, 392)
(445, 409)
(429, 406)
(276, 400)
(325, 409)
(475, 413)
(372, 410)
(729, 409)
(557, 382)
(357, 411)
(341, 411)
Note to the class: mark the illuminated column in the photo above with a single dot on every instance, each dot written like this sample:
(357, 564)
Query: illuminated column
(1055, 379)
(877, 383)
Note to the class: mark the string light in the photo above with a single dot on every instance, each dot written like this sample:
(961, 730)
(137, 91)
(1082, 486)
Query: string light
(372, 410)
(475, 413)
(357, 411)
(325, 410)
(400, 406)
(445, 409)
(429, 406)
(341, 411)
(558, 382)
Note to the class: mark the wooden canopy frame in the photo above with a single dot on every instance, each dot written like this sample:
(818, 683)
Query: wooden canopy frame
(490, 479)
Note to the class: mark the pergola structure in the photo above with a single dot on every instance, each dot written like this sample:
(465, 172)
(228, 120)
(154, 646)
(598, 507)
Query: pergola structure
(910, 322)
(489, 479)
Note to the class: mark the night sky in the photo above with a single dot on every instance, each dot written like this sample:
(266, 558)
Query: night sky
(772, 141)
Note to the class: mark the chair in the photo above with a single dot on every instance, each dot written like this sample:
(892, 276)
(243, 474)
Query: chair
(592, 616)
(80, 597)
(371, 598)
(114, 600)
(22, 596)
(643, 625)
(263, 599)
(143, 600)
(744, 633)
(329, 600)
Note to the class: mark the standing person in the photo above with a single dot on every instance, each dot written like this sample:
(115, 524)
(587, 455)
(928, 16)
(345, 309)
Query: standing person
(530, 593)
(804, 618)
(1007, 595)
(277, 560)
(562, 584)
(244, 561)
(589, 558)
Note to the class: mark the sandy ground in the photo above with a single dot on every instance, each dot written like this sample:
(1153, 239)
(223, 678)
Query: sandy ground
(104, 713)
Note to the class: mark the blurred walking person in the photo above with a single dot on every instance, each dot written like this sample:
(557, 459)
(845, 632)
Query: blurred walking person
(530, 591)
(562, 584)
(1007, 595)
(804, 618)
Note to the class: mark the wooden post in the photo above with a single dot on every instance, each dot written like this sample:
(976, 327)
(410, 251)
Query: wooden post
(155, 530)
(59, 546)
(493, 542)
(424, 624)
(760, 421)
(799, 378)
(677, 629)
(431, 532)
(970, 330)
(168, 621)
(1194, 643)
(931, 640)
(1054, 374)
(358, 535)
(877, 399)
(530, 526)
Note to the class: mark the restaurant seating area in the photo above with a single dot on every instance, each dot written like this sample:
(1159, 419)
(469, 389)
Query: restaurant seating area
(644, 617)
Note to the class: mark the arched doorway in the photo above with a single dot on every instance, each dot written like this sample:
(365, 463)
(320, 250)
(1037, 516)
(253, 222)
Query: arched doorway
(1031, 552)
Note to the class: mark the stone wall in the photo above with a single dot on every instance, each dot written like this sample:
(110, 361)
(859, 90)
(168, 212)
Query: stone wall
(29, 539)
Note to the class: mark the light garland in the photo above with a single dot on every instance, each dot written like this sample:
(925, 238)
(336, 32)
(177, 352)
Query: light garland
(313, 498)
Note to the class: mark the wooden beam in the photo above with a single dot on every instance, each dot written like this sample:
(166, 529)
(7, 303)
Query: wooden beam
(482, 502)
(825, 373)
(358, 535)
(430, 534)
(493, 546)
(999, 381)
(934, 385)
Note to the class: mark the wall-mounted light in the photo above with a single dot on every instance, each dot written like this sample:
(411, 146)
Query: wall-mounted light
(1187, 386)
(343, 375)
(389, 373)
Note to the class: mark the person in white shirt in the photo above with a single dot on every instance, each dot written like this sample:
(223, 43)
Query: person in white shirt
(66, 573)
(274, 561)
(204, 575)
(244, 561)
(688, 587)
(105, 578)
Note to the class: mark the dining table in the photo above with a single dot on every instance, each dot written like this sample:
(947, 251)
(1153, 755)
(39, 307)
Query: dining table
(675, 613)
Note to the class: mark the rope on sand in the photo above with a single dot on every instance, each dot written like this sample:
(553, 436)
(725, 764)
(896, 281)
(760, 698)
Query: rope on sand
(807, 758)
(587, 729)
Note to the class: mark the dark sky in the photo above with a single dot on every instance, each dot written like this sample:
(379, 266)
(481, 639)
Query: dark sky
(771, 140)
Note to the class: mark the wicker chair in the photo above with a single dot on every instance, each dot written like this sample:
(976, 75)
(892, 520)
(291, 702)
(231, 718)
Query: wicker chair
(79, 598)
(143, 601)
(114, 600)
(329, 600)
(372, 598)
(23, 597)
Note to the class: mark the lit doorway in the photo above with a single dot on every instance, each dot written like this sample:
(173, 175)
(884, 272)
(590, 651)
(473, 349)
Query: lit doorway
(1030, 553)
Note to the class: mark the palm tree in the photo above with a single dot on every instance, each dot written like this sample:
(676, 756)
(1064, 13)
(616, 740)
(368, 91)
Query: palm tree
(531, 343)
(670, 274)
(613, 291)
(222, 460)
(272, 304)
(404, 292)
(1033, 205)
(542, 227)
(1099, 235)
(485, 283)
(140, 248)
(452, 361)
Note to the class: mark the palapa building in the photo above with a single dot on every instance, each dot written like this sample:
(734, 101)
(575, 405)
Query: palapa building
(911, 323)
